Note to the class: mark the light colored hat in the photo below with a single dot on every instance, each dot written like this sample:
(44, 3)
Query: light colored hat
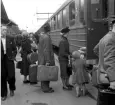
(76, 54)
(83, 49)
(24, 33)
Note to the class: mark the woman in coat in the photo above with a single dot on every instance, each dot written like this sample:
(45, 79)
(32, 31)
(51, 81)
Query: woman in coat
(63, 58)
(26, 49)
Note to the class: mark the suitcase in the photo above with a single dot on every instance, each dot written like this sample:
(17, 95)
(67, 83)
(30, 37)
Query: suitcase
(32, 57)
(33, 73)
(47, 73)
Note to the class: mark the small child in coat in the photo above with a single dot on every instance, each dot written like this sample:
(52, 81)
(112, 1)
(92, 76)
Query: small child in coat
(80, 76)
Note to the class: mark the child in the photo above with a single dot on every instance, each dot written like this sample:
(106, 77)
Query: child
(80, 77)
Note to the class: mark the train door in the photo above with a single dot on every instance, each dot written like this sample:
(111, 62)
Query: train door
(97, 26)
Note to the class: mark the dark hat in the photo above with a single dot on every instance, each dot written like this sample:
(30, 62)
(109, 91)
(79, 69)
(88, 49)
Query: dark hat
(46, 27)
(65, 30)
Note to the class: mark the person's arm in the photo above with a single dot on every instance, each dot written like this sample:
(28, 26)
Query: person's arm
(110, 50)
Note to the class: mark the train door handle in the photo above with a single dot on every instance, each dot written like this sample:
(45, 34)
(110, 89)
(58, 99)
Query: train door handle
(92, 29)
(88, 28)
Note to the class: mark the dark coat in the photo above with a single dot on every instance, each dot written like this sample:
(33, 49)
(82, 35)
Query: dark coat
(8, 67)
(3, 71)
(26, 49)
(64, 49)
(45, 51)
(63, 57)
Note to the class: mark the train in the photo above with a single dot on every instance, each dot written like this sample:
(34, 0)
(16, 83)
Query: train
(88, 23)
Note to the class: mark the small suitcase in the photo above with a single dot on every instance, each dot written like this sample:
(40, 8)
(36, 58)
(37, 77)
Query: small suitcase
(33, 73)
(47, 73)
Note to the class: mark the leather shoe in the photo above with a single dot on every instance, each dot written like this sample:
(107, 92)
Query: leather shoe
(11, 93)
(67, 88)
(4, 98)
(70, 86)
(49, 91)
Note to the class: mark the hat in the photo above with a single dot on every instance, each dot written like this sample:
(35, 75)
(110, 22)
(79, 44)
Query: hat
(83, 49)
(65, 30)
(76, 54)
(81, 52)
(46, 27)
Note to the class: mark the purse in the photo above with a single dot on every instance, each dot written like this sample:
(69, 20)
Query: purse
(47, 73)
(19, 65)
(69, 68)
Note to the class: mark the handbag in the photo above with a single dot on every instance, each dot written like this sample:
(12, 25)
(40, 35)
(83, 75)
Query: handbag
(19, 65)
(69, 68)
(47, 73)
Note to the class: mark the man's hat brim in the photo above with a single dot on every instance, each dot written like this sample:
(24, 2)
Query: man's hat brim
(65, 30)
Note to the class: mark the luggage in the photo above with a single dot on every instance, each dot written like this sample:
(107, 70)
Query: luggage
(47, 73)
(19, 65)
(32, 57)
(33, 73)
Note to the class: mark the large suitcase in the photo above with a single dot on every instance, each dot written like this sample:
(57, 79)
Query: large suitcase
(32, 57)
(47, 73)
(33, 73)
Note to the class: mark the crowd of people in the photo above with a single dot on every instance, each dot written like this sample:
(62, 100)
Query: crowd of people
(70, 64)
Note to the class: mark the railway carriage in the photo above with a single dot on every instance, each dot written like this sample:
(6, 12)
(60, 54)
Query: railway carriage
(87, 20)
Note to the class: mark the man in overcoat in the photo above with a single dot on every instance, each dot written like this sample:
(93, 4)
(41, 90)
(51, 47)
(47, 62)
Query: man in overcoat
(106, 52)
(8, 54)
(46, 55)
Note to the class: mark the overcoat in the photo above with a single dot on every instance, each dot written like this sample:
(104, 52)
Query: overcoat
(107, 43)
(26, 49)
(63, 57)
(11, 52)
(45, 51)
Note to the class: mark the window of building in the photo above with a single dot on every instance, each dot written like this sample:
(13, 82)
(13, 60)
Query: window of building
(72, 13)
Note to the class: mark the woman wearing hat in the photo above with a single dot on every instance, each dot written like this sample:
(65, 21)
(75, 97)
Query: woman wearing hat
(63, 58)
(26, 49)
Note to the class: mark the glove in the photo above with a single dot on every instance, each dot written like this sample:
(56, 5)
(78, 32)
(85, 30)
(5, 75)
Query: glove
(47, 64)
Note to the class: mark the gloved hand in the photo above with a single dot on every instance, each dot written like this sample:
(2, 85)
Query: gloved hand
(47, 64)
(112, 85)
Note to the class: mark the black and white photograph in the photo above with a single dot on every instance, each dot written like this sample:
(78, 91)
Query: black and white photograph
(57, 52)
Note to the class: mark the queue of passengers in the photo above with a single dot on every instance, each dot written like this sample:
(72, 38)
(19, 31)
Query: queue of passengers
(43, 46)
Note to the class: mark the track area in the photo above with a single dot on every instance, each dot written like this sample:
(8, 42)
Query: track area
(32, 94)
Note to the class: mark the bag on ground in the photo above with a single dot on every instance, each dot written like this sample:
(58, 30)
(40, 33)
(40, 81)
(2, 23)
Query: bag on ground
(33, 73)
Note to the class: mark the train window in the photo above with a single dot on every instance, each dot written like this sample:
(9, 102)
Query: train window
(59, 20)
(72, 13)
(54, 19)
(53, 23)
(64, 12)
(99, 9)
(82, 11)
